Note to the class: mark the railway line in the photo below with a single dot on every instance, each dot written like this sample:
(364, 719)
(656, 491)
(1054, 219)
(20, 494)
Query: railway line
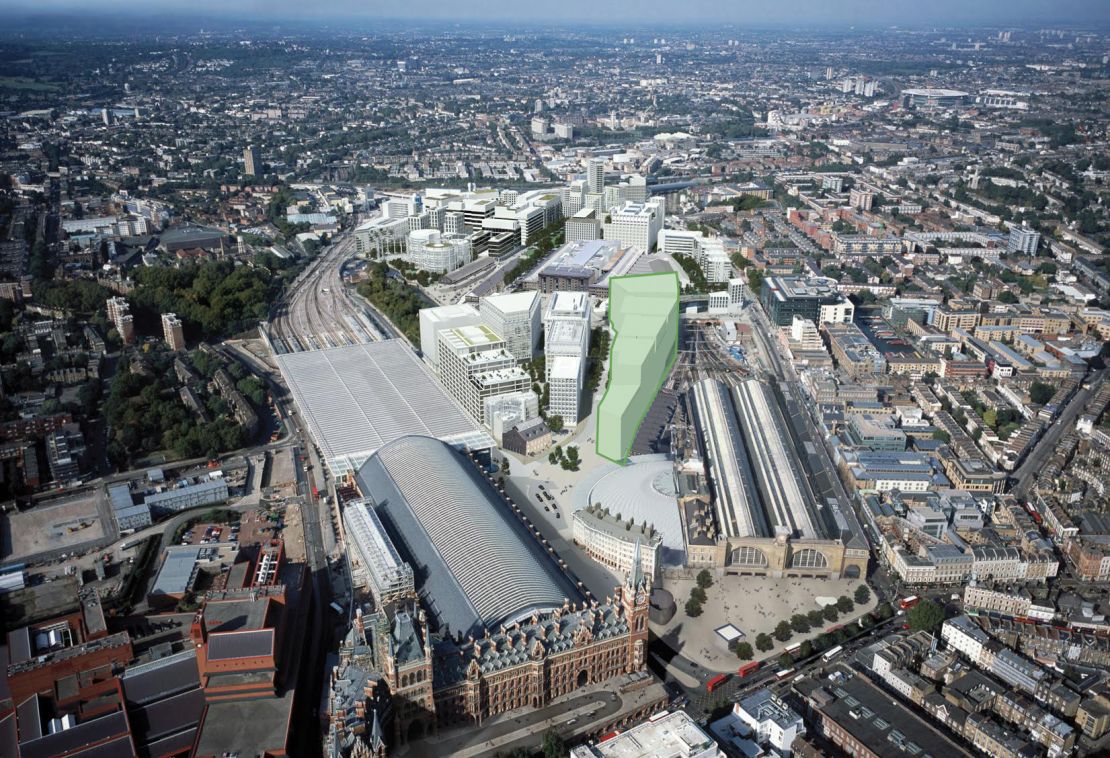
(317, 311)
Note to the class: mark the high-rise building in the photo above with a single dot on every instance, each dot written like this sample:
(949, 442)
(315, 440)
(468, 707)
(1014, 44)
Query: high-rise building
(861, 199)
(595, 176)
(106, 115)
(173, 331)
(637, 190)
(119, 313)
(252, 161)
(1023, 240)
(539, 126)
(636, 224)
(583, 225)
(566, 344)
(516, 317)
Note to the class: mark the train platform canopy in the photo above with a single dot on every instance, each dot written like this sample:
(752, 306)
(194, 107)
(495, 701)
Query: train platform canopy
(357, 398)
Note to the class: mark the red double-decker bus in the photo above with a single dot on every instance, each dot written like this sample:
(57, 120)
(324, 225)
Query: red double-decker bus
(747, 668)
(716, 682)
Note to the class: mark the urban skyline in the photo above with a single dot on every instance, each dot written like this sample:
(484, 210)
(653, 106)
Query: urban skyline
(601, 380)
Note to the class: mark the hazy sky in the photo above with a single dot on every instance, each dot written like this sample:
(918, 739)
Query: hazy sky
(625, 12)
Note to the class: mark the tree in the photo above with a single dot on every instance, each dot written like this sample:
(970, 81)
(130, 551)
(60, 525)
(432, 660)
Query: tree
(806, 649)
(693, 608)
(786, 660)
(555, 423)
(862, 594)
(844, 604)
(744, 651)
(1007, 297)
(815, 617)
(764, 642)
(1040, 393)
(705, 579)
(830, 612)
(553, 745)
(755, 281)
(925, 616)
(799, 623)
(884, 612)
(697, 593)
(783, 631)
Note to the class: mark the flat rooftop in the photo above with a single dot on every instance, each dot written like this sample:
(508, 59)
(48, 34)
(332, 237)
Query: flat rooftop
(675, 734)
(357, 398)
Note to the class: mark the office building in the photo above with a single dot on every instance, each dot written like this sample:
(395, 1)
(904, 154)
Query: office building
(584, 266)
(566, 346)
(674, 735)
(812, 298)
(708, 252)
(433, 320)
(173, 331)
(474, 364)
(516, 318)
(635, 224)
(1023, 240)
(773, 722)
(252, 161)
(643, 311)
(503, 412)
(430, 250)
(862, 720)
(614, 542)
(583, 225)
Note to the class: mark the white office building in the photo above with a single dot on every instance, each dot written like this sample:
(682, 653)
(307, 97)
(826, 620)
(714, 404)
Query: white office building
(474, 365)
(516, 317)
(635, 224)
(566, 345)
(673, 735)
(965, 637)
(434, 320)
(583, 225)
(430, 250)
(708, 252)
(774, 722)
(503, 412)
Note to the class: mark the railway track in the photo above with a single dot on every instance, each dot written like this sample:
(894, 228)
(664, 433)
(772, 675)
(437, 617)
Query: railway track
(318, 312)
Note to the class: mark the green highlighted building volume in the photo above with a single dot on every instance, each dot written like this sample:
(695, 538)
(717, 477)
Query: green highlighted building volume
(643, 311)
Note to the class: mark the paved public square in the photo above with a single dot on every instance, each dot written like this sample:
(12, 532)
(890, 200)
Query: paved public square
(753, 605)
